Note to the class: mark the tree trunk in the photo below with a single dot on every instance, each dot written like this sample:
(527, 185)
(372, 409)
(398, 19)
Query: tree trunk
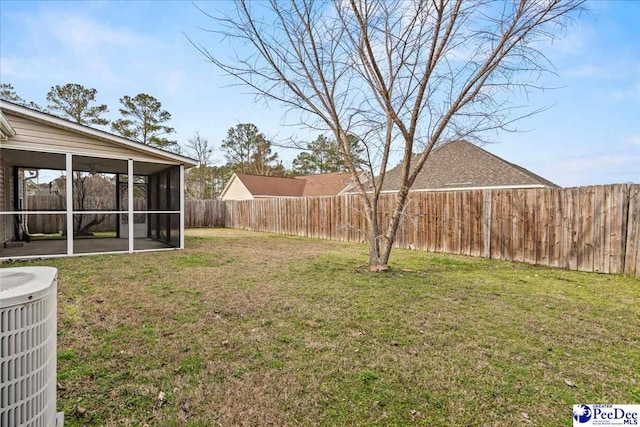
(392, 228)
(374, 238)
(84, 231)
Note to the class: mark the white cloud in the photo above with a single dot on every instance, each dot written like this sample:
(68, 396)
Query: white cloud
(581, 164)
(629, 92)
(81, 33)
(71, 46)
(571, 43)
(595, 169)
(173, 81)
(634, 140)
(586, 70)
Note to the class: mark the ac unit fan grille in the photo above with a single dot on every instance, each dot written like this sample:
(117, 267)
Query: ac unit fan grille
(27, 370)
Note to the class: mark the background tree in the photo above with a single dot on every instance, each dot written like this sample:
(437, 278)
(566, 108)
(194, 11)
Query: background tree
(199, 148)
(263, 160)
(199, 178)
(249, 151)
(74, 102)
(143, 120)
(324, 156)
(8, 93)
(220, 176)
(404, 76)
(90, 192)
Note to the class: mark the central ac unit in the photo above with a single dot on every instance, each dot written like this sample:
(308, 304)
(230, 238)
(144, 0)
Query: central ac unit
(28, 347)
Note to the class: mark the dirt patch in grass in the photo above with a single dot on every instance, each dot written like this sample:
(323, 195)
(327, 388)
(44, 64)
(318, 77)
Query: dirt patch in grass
(253, 329)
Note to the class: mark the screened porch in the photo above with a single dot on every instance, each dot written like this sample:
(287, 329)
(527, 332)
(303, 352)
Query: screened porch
(65, 204)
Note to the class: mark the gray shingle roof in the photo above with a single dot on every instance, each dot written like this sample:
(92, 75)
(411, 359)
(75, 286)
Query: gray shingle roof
(460, 164)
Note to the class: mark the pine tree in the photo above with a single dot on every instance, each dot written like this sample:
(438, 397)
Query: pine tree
(143, 120)
(74, 102)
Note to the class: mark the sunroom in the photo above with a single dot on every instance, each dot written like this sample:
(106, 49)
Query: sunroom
(68, 189)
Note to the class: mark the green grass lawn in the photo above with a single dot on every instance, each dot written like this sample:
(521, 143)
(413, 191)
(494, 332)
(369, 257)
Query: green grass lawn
(254, 329)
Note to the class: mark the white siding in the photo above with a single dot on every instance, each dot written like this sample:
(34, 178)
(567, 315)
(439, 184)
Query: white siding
(237, 191)
(3, 219)
(6, 221)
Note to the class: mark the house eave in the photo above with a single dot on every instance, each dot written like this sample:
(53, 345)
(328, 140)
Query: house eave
(48, 119)
(487, 187)
(6, 130)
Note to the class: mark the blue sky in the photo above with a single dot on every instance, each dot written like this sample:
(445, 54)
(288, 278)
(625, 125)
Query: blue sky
(590, 136)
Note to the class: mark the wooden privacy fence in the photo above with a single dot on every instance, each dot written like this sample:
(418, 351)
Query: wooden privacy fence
(204, 213)
(595, 228)
(53, 223)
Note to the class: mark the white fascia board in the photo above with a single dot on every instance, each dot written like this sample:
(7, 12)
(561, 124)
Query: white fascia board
(352, 185)
(5, 127)
(440, 190)
(494, 187)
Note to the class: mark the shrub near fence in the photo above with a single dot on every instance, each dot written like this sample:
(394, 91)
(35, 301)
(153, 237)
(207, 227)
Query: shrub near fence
(595, 228)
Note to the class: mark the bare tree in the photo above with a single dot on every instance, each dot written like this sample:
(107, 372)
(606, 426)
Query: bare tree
(91, 192)
(200, 149)
(403, 76)
(198, 178)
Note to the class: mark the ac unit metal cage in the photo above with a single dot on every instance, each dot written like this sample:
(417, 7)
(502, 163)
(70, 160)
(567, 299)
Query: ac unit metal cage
(28, 346)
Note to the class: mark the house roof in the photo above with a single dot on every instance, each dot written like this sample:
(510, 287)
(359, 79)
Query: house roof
(460, 164)
(52, 120)
(274, 186)
(328, 184)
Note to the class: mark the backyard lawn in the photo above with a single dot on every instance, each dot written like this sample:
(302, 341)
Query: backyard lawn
(254, 329)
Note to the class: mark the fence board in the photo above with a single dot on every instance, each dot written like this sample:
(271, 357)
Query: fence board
(618, 241)
(597, 228)
(496, 221)
(517, 220)
(585, 230)
(541, 220)
(507, 225)
(632, 254)
(486, 214)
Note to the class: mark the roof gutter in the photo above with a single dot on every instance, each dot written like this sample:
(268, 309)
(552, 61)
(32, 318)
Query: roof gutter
(491, 187)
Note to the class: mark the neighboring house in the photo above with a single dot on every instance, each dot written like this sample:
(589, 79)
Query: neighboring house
(461, 165)
(34, 145)
(249, 187)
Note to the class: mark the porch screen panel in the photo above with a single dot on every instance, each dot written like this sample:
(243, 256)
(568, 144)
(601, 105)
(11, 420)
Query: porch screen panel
(163, 224)
(163, 200)
(174, 205)
(153, 203)
(96, 233)
(46, 235)
(33, 208)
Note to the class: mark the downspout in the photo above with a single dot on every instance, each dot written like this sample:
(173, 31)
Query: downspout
(25, 206)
